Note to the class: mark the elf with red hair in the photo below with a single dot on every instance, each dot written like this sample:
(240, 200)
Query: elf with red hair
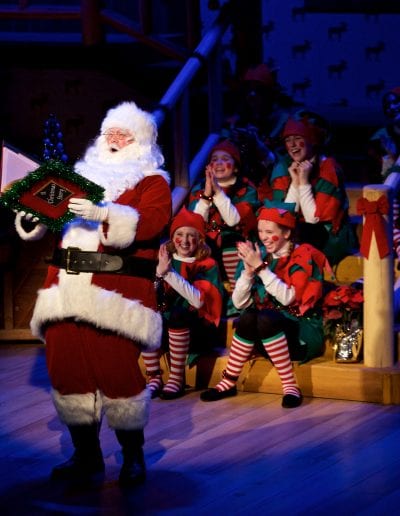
(315, 183)
(191, 299)
(227, 203)
(278, 293)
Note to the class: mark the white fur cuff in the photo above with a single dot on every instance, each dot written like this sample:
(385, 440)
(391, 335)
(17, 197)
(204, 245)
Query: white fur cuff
(128, 413)
(122, 224)
(77, 409)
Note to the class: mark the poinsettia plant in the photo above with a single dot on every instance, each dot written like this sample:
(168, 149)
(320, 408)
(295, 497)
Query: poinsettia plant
(342, 306)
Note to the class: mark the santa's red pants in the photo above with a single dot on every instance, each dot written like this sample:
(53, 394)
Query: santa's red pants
(81, 359)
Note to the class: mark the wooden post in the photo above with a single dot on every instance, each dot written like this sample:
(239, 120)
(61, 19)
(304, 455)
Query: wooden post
(181, 132)
(92, 29)
(378, 293)
(146, 16)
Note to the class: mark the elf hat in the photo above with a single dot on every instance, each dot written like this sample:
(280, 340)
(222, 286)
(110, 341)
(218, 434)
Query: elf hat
(128, 116)
(300, 128)
(229, 147)
(283, 213)
(262, 74)
(187, 218)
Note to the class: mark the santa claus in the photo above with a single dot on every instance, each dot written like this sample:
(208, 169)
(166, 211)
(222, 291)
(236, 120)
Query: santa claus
(97, 309)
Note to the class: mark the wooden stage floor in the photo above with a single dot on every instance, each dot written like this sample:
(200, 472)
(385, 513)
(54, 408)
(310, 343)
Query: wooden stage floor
(240, 456)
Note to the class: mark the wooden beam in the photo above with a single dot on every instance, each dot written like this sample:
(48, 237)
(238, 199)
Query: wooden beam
(41, 13)
(17, 334)
(126, 26)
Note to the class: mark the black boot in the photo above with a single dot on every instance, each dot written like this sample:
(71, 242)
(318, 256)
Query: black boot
(133, 471)
(87, 459)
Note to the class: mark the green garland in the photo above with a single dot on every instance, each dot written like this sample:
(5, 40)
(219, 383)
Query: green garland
(11, 197)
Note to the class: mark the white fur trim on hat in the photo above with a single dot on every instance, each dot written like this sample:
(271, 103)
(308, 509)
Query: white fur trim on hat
(128, 116)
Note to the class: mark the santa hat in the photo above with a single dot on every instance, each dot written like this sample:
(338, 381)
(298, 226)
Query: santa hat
(301, 128)
(283, 213)
(262, 74)
(128, 116)
(187, 218)
(229, 147)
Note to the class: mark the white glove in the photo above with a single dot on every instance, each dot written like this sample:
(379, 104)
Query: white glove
(26, 216)
(35, 232)
(87, 210)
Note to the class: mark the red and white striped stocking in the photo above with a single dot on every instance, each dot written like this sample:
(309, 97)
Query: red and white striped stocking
(238, 355)
(278, 351)
(178, 348)
(151, 360)
(230, 260)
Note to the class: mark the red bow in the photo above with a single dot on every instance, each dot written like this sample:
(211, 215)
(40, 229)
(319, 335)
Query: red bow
(373, 212)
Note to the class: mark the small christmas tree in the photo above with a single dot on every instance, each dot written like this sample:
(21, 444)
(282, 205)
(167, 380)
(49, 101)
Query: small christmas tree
(53, 145)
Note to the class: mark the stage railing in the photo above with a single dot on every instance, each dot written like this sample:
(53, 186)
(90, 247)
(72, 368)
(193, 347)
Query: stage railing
(379, 277)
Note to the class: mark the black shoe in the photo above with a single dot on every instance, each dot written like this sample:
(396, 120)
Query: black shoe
(215, 395)
(155, 393)
(78, 467)
(292, 401)
(172, 395)
(133, 472)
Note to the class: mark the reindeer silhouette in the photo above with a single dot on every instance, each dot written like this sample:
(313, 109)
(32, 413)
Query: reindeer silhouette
(271, 63)
(336, 32)
(336, 70)
(374, 51)
(298, 12)
(301, 49)
(301, 87)
(343, 102)
(372, 16)
(374, 89)
(267, 28)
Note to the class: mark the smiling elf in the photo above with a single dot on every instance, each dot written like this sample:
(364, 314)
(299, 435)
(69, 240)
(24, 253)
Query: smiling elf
(315, 182)
(278, 292)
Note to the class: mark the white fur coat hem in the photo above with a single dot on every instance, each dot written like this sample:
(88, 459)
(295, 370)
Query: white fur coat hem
(86, 409)
(105, 309)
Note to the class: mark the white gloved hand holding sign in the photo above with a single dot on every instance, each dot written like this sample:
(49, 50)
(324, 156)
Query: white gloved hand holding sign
(33, 231)
(87, 210)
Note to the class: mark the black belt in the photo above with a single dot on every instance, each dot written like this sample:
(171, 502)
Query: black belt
(74, 261)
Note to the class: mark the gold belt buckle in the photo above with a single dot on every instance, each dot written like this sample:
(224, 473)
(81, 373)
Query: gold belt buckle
(68, 260)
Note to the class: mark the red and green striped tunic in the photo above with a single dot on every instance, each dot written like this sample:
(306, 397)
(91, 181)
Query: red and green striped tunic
(243, 196)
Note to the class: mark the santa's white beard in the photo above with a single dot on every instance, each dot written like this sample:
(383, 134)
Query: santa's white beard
(113, 154)
(115, 171)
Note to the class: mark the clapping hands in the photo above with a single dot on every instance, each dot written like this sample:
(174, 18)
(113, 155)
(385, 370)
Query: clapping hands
(211, 187)
(250, 254)
(164, 261)
(300, 172)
